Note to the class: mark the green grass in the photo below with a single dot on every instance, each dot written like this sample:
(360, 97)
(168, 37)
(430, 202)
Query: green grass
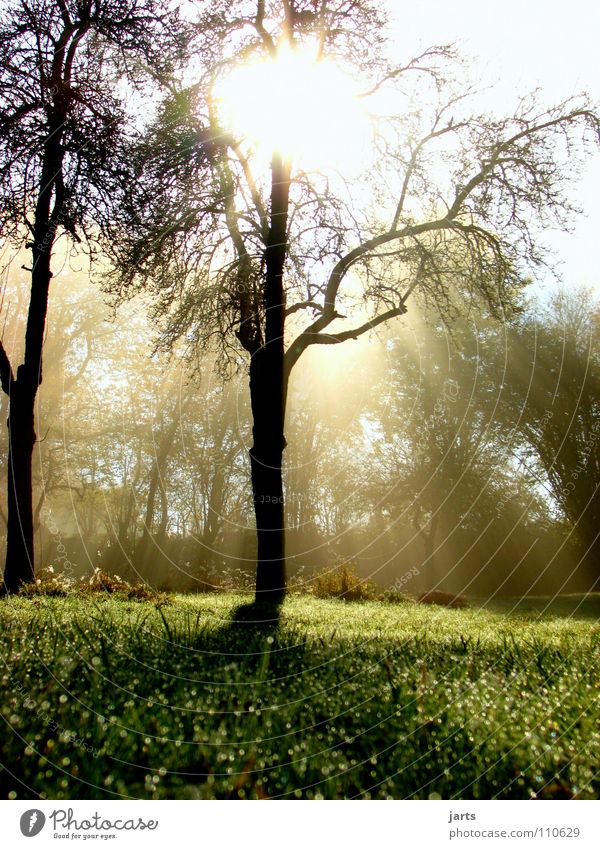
(340, 700)
(580, 605)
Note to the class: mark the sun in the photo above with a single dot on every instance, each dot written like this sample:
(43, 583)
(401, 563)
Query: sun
(306, 108)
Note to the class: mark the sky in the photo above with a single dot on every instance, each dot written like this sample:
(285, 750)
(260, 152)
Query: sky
(517, 46)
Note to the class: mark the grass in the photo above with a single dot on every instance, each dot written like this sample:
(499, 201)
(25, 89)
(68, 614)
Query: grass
(580, 605)
(106, 698)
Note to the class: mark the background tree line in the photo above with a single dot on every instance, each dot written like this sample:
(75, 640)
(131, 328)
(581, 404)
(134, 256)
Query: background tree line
(410, 453)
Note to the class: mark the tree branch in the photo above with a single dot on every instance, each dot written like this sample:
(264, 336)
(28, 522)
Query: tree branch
(444, 50)
(254, 193)
(336, 338)
(488, 166)
(305, 305)
(259, 26)
(344, 264)
(292, 355)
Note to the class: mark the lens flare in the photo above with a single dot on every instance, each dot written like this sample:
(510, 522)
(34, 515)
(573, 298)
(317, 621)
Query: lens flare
(301, 106)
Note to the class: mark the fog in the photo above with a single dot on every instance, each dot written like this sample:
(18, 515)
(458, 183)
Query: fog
(409, 457)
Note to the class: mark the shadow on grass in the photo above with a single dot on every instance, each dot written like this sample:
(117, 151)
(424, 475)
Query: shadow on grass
(249, 635)
(256, 615)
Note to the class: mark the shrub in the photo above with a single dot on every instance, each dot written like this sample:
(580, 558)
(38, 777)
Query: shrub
(58, 584)
(442, 599)
(103, 582)
(343, 582)
(49, 583)
(393, 596)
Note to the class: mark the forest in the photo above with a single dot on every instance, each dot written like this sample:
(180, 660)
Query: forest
(405, 461)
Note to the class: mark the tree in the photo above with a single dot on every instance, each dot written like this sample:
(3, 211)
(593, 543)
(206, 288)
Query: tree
(233, 252)
(551, 407)
(440, 453)
(62, 126)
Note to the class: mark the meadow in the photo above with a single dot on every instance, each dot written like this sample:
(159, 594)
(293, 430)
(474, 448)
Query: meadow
(105, 697)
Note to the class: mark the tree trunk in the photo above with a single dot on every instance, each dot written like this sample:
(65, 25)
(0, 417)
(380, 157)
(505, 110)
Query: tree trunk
(146, 542)
(429, 561)
(20, 567)
(430, 564)
(21, 439)
(49, 208)
(152, 544)
(215, 509)
(268, 385)
(266, 458)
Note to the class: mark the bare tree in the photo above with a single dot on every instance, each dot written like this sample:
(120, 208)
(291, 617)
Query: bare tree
(61, 125)
(267, 260)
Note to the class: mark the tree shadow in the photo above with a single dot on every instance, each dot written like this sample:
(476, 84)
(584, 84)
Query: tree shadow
(249, 631)
(260, 615)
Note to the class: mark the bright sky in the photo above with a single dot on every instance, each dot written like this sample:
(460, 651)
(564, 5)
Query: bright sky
(520, 45)
(515, 47)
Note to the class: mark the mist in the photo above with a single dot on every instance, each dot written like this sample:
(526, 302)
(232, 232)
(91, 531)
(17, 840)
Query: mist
(409, 459)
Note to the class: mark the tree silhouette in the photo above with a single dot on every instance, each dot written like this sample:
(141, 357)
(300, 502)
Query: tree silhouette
(275, 260)
(61, 126)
